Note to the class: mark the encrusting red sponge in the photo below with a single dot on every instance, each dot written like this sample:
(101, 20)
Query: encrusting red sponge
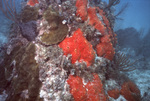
(80, 49)
(95, 21)
(114, 93)
(130, 91)
(107, 40)
(105, 49)
(92, 91)
(76, 88)
(95, 91)
(82, 9)
(32, 2)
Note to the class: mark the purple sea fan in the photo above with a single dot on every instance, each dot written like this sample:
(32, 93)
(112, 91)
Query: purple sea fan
(28, 30)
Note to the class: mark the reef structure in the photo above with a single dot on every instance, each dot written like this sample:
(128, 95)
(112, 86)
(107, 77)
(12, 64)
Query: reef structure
(70, 58)
(108, 39)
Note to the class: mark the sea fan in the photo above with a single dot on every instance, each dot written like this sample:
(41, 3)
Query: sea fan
(9, 10)
(123, 63)
(28, 30)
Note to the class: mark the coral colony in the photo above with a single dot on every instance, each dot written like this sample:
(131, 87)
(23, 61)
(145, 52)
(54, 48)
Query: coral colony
(71, 58)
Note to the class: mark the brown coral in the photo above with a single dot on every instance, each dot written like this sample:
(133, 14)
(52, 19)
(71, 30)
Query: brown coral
(57, 31)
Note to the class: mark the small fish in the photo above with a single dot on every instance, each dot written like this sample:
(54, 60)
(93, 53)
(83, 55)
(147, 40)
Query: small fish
(32, 2)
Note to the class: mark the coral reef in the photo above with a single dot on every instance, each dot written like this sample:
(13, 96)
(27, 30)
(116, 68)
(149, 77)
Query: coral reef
(95, 90)
(127, 89)
(130, 91)
(57, 30)
(76, 88)
(97, 19)
(51, 73)
(106, 50)
(82, 9)
(32, 2)
(66, 54)
(114, 93)
(24, 74)
(77, 46)
(28, 30)
(92, 91)
(29, 14)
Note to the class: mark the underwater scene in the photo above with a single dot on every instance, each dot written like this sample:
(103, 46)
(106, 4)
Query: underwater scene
(74, 50)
